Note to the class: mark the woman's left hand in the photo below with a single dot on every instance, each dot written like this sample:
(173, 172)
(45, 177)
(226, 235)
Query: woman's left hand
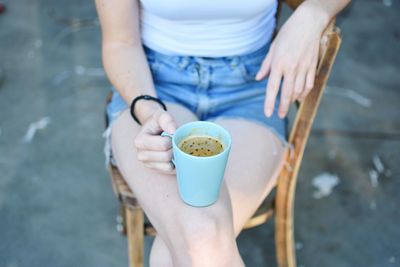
(293, 57)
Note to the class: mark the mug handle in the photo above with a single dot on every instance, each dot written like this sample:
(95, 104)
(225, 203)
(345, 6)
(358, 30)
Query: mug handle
(165, 134)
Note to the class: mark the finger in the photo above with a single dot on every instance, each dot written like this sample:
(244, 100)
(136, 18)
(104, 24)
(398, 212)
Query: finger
(163, 167)
(167, 123)
(265, 67)
(298, 85)
(286, 96)
(152, 142)
(310, 78)
(272, 91)
(154, 156)
(309, 81)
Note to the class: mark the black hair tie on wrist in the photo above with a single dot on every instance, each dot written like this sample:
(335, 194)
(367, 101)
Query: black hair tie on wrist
(145, 97)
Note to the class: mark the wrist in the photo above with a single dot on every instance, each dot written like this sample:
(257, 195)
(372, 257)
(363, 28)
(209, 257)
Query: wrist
(318, 11)
(144, 109)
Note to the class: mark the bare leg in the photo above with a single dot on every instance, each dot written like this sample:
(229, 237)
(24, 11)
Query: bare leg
(254, 164)
(194, 237)
(252, 180)
(206, 236)
(160, 255)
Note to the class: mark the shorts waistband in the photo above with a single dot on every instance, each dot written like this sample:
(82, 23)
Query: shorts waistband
(261, 52)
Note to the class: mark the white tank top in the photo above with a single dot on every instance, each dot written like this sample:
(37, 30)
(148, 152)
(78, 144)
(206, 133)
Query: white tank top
(207, 28)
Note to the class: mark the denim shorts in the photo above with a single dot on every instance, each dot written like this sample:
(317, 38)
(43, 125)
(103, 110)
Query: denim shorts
(211, 88)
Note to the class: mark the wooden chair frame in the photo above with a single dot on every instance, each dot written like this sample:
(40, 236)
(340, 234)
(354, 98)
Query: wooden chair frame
(133, 219)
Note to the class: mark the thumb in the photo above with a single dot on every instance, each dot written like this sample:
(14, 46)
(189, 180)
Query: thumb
(167, 122)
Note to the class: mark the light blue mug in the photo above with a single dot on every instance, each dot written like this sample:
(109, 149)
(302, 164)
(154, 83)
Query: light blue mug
(200, 178)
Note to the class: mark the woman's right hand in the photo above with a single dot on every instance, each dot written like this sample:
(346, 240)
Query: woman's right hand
(153, 150)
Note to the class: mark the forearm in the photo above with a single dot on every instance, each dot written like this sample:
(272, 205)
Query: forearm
(330, 7)
(323, 10)
(128, 71)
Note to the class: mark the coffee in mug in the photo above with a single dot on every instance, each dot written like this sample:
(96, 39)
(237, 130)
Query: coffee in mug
(201, 146)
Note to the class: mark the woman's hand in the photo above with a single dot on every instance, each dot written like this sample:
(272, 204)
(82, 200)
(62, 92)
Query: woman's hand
(154, 150)
(293, 57)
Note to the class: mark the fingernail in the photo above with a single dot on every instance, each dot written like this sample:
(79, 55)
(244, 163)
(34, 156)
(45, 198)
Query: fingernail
(257, 76)
(171, 129)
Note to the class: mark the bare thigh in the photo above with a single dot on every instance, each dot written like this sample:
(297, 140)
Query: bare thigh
(254, 164)
(255, 160)
(157, 193)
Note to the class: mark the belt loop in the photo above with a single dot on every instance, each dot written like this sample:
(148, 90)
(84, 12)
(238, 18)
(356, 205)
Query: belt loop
(234, 62)
(184, 62)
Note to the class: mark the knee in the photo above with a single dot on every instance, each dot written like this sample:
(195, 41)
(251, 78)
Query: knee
(207, 236)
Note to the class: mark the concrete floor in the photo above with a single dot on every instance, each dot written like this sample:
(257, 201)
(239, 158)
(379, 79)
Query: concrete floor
(56, 204)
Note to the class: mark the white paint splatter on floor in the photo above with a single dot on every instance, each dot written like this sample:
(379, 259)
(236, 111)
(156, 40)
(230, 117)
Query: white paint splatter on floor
(374, 178)
(378, 164)
(324, 184)
(33, 127)
(349, 94)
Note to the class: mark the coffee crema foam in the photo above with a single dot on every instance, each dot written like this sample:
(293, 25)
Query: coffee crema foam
(201, 146)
